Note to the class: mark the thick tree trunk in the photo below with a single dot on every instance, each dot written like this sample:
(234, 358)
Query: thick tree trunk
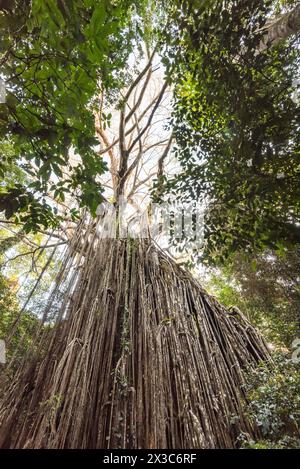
(140, 357)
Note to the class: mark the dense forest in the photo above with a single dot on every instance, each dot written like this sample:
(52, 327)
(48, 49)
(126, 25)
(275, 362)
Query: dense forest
(149, 224)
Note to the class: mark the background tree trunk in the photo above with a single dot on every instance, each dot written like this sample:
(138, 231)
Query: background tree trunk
(281, 28)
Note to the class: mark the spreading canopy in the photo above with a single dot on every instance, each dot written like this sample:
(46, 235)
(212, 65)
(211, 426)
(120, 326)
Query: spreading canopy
(236, 121)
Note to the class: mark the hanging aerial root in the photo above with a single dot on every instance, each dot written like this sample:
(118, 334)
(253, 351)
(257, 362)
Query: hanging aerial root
(139, 356)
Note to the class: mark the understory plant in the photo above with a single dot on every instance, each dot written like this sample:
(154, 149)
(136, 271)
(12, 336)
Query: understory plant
(274, 403)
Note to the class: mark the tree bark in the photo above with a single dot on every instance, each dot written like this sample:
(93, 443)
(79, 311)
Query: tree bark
(281, 28)
(140, 356)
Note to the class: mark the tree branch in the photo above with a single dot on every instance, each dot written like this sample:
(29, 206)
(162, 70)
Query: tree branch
(160, 96)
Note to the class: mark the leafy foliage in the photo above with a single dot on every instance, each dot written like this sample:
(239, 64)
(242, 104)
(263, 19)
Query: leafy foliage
(266, 289)
(57, 57)
(236, 124)
(16, 200)
(274, 394)
(25, 325)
